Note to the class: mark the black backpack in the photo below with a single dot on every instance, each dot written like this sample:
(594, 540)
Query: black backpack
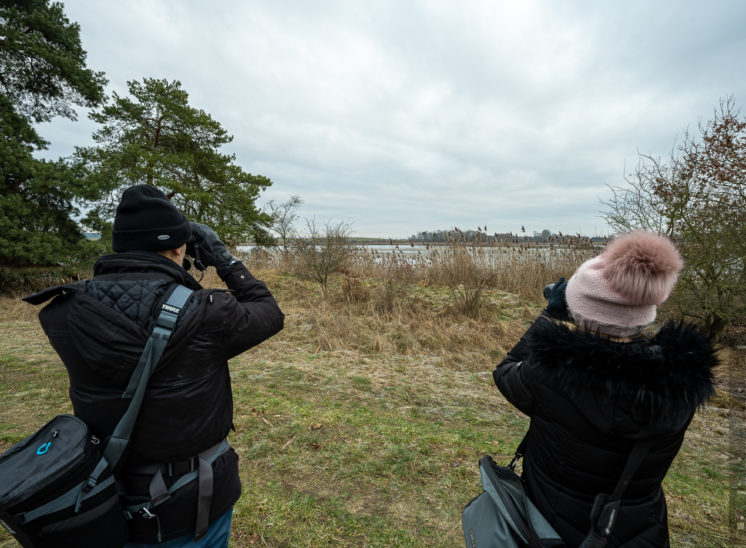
(57, 487)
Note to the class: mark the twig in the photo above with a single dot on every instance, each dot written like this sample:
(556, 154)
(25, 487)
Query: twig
(291, 440)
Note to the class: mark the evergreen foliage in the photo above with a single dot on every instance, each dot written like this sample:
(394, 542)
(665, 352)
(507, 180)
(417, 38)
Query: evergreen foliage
(154, 136)
(42, 75)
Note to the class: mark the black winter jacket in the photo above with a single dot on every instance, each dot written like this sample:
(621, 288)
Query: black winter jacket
(100, 327)
(589, 399)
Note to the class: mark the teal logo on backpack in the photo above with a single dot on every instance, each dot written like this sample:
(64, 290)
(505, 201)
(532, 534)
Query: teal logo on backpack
(43, 448)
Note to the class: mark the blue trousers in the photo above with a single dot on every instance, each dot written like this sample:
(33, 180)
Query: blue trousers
(217, 536)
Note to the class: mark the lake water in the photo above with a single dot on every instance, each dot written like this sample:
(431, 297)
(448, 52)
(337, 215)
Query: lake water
(493, 254)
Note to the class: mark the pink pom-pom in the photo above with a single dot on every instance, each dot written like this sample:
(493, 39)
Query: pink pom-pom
(642, 267)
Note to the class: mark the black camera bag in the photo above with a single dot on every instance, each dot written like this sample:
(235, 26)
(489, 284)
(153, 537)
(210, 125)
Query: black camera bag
(57, 488)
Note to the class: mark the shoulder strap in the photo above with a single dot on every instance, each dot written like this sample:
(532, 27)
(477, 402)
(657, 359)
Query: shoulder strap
(639, 452)
(606, 507)
(164, 325)
(520, 451)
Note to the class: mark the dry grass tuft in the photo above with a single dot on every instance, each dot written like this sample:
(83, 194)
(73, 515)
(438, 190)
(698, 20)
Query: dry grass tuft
(14, 309)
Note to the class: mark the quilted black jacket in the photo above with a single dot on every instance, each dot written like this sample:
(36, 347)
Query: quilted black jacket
(589, 399)
(99, 328)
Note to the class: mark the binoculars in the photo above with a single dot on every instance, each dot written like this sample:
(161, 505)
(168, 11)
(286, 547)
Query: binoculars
(192, 250)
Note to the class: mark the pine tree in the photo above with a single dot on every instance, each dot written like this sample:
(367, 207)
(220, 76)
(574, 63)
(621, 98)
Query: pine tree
(43, 74)
(154, 136)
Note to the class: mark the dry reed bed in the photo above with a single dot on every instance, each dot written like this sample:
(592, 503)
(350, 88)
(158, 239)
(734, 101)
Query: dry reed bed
(523, 269)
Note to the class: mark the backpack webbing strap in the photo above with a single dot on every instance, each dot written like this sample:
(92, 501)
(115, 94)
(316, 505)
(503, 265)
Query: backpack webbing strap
(65, 500)
(154, 348)
(204, 497)
(164, 324)
(159, 493)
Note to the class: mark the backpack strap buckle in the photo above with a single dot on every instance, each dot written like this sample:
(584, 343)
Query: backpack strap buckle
(147, 514)
(178, 468)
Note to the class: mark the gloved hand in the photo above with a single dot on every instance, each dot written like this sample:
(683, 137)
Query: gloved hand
(556, 303)
(207, 248)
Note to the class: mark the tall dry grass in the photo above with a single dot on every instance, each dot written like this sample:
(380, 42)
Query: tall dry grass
(520, 267)
(470, 267)
(453, 299)
(448, 301)
(12, 308)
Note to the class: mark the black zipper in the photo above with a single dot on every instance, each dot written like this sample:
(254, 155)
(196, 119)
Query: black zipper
(64, 483)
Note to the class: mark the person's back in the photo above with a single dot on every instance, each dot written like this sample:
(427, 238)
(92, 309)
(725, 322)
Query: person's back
(99, 328)
(593, 386)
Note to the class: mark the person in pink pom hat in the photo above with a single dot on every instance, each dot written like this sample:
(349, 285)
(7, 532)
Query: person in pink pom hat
(600, 384)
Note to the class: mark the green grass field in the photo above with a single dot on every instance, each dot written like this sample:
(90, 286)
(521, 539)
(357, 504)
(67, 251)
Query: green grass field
(368, 439)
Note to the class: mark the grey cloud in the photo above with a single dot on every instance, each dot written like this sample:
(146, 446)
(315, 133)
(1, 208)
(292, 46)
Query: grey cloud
(403, 116)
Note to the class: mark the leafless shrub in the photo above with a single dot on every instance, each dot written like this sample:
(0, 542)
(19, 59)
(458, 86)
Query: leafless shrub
(284, 217)
(697, 196)
(324, 249)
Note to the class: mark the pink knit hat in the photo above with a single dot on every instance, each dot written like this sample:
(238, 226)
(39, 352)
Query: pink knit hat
(618, 291)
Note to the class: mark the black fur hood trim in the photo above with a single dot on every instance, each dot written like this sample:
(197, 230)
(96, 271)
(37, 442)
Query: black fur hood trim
(665, 377)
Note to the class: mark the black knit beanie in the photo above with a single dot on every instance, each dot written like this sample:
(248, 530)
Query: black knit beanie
(146, 221)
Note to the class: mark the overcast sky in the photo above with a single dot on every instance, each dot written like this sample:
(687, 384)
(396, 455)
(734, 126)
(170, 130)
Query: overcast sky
(402, 116)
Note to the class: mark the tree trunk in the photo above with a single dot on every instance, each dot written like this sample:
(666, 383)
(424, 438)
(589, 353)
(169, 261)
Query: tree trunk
(715, 325)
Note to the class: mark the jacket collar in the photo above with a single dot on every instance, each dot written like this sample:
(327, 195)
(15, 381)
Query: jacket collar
(143, 263)
(668, 374)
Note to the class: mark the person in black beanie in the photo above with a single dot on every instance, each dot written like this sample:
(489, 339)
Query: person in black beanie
(99, 328)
